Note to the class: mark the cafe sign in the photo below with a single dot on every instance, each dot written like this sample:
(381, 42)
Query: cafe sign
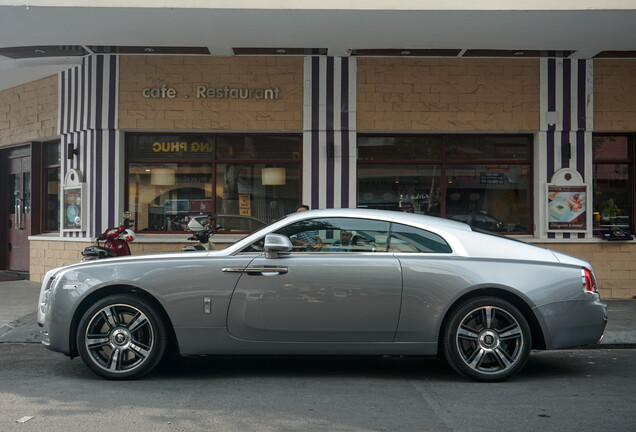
(213, 92)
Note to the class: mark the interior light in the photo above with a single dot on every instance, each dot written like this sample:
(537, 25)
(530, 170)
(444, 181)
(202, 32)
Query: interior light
(273, 176)
(149, 50)
(39, 51)
(405, 52)
(281, 51)
(162, 177)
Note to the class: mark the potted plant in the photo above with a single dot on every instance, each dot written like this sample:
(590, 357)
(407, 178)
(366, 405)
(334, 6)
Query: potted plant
(608, 209)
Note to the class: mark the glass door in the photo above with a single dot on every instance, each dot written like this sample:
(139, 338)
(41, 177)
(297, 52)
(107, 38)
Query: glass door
(19, 213)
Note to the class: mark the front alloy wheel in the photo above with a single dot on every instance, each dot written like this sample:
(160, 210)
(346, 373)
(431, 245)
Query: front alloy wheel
(487, 339)
(121, 337)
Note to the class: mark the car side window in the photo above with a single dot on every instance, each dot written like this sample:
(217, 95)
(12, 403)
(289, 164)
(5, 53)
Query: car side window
(256, 247)
(407, 239)
(338, 235)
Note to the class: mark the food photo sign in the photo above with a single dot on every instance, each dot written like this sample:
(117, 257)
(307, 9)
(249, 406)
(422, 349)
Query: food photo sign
(74, 191)
(567, 202)
(566, 208)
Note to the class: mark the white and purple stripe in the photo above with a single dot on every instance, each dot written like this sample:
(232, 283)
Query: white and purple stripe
(329, 137)
(88, 119)
(566, 120)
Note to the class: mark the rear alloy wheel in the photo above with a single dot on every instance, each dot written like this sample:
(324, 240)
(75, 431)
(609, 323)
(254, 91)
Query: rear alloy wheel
(487, 339)
(121, 337)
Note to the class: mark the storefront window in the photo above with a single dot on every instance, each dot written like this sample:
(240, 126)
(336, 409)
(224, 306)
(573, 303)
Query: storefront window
(247, 181)
(257, 190)
(409, 188)
(163, 196)
(494, 197)
(613, 181)
(52, 186)
(480, 180)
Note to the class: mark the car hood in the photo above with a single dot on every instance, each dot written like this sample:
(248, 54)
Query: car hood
(114, 261)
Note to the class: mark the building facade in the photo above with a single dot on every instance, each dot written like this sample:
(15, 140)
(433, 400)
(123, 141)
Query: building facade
(540, 148)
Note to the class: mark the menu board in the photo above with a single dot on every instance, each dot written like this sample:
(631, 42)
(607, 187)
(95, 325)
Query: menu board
(72, 209)
(73, 196)
(567, 208)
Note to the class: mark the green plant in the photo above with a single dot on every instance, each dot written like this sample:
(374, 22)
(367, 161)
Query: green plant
(608, 208)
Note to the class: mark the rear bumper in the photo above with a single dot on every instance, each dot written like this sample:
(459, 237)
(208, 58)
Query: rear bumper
(573, 322)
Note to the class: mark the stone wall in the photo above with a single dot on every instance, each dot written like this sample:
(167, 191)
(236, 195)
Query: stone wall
(188, 111)
(396, 94)
(29, 112)
(46, 255)
(615, 95)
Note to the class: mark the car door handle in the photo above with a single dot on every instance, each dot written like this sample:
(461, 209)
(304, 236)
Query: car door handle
(264, 271)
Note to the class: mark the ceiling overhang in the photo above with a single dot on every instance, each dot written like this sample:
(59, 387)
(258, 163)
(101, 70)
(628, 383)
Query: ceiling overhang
(342, 32)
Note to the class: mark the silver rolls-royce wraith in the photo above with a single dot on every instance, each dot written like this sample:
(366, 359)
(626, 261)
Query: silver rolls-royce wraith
(336, 282)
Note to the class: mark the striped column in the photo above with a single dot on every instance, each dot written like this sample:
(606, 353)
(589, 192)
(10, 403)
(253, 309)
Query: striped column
(88, 119)
(566, 119)
(329, 132)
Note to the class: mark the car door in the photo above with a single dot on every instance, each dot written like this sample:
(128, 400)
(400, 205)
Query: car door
(321, 296)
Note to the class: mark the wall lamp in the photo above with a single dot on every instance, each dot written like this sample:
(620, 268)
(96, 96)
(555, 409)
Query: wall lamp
(71, 150)
(566, 150)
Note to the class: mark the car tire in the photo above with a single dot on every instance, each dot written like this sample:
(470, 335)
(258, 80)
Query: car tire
(487, 339)
(121, 337)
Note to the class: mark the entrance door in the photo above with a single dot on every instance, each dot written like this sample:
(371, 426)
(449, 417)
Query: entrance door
(19, 213)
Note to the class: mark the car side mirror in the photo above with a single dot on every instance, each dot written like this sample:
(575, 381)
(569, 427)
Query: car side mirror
(276, 243)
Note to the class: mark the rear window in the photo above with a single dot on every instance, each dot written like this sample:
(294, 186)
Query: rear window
(406, 239)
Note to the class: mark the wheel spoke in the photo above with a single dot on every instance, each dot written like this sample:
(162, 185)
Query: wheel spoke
(93, 341)
(139, 350)
(138, 321)
(488, 312)
(467, 333)
(110, 317)
(504, 360)
(475, 360)
(511, 332)
(114, 363)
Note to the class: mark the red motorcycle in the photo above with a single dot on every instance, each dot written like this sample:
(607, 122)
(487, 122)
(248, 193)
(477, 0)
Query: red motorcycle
(115, 240)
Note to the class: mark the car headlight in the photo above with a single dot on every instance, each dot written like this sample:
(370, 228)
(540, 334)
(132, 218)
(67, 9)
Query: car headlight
(45, 294)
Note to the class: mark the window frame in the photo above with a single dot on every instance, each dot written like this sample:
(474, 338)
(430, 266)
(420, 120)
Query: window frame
(213, 161)
(44, 185)
(445, 161)
(630, 161)
(350, 226)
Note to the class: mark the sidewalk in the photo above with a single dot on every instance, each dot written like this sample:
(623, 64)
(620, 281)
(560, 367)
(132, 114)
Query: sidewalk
(18, 316)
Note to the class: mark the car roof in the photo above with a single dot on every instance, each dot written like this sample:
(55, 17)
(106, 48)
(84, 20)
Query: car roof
(386, 215)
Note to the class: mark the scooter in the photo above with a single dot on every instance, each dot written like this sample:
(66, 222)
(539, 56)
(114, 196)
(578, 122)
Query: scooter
(201, 234)
(115, 240)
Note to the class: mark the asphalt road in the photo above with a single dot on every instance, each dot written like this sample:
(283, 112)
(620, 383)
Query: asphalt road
(582, 390)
